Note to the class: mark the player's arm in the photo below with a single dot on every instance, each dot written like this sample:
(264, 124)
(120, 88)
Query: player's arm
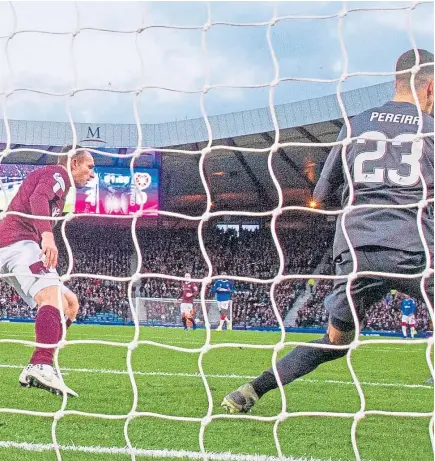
(195, 290)
(39, 203)
(331, 177)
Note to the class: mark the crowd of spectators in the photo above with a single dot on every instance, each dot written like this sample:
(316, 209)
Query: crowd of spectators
(313, 313)
(246, 254)
(384, 315)
(109, 252)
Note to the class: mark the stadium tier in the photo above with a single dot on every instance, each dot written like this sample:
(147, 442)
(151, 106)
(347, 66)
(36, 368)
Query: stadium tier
(251, 253)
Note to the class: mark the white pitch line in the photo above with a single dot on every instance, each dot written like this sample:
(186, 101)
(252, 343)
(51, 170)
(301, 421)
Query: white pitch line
(198, 342)
(227, 456)
(223, 376)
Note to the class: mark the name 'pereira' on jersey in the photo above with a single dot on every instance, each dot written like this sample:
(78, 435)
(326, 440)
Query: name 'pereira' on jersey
(223, 289)
(383, 173)
(188, 291)
(408, 307)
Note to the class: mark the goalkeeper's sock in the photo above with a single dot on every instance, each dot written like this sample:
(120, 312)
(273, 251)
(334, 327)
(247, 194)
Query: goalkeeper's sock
(299, 362)
(184, 320)
(193, 323)
(48, 330)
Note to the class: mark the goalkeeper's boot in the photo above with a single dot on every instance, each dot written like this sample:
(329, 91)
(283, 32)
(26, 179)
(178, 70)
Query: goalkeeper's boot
(44, 377)
(241, 400)
(430, 380)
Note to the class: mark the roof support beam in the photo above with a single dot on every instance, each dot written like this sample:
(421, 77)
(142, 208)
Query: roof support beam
(304, 132)
(265, 200)
(337, 123)
(289, 161)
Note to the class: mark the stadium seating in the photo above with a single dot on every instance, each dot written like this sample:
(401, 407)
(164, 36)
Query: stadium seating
(111, 252)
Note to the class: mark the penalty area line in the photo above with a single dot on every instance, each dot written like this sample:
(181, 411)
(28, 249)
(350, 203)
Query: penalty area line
(223, 376)
(227, 456)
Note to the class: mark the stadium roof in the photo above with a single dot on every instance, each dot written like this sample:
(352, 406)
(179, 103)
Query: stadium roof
(234, 177)
(224, 126)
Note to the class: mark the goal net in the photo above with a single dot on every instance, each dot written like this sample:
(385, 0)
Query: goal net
(166, 311)
(145, 310)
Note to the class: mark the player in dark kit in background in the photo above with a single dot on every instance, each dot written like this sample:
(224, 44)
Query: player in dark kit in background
(385, 240)
(27, 249)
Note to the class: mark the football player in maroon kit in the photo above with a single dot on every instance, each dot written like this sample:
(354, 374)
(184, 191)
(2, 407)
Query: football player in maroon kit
(28, 251)
(188, 291)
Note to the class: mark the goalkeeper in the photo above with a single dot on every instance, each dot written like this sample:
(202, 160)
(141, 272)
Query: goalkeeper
(385, 240)
(223, 289)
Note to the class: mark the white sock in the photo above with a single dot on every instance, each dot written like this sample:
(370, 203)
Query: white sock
(404, 331)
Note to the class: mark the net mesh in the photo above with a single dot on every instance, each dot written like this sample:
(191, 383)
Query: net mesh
(273, 214)
(166, 311)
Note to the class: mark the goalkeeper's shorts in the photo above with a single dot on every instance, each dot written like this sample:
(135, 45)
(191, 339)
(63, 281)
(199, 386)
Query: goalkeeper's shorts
(368, 290)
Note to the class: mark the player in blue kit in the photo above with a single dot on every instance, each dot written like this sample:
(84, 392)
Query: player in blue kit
(223, 289)
(387, 164)
(408, 309)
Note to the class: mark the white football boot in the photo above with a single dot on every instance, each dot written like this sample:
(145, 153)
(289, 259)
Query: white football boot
(44, 377)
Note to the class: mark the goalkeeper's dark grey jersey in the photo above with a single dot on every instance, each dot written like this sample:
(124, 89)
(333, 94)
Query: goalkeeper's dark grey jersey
(383, 173)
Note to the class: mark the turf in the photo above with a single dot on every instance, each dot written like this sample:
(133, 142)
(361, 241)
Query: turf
(167, 384)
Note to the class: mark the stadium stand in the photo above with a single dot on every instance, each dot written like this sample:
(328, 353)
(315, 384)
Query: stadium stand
(175, 251)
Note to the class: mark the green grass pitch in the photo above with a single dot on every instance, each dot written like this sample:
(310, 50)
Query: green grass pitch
(393, 378)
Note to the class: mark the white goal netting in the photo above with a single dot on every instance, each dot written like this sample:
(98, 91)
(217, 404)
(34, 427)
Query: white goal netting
(202, 154)
(166, 311)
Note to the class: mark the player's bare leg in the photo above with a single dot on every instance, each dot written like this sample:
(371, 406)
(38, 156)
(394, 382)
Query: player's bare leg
(404, 329)
(70, 307)
(184, 321)
(412, 329)
(221, 323)
(192, 320)
(299, 362)
(48, 330)
(223, 320)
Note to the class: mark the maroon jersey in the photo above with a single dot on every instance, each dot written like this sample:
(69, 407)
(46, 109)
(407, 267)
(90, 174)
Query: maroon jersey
(188, 291)
(42, 193)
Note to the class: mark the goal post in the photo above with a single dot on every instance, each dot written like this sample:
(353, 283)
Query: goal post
(166, 311)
